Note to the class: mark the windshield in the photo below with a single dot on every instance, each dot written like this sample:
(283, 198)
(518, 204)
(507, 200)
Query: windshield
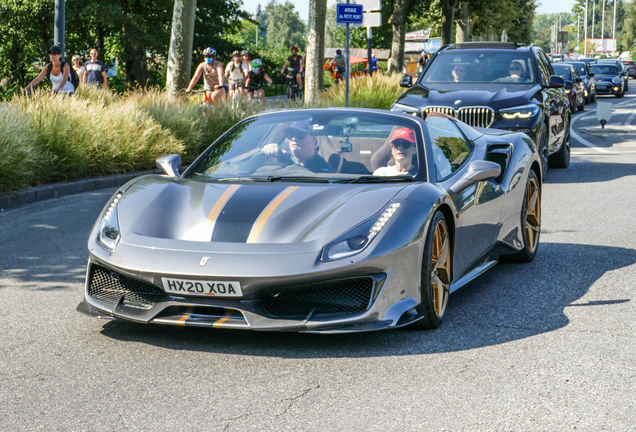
(580, 67)
(481, 66)
(315, 146)
(598, 69)
(563, 71)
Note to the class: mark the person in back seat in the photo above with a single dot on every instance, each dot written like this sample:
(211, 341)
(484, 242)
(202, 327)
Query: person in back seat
(402, 144)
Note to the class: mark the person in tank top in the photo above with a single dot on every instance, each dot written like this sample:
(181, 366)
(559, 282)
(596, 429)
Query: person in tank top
(59, 74)
(213, 77)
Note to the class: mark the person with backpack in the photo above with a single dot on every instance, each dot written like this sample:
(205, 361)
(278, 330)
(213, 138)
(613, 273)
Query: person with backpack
(96, 71)
(61, 75)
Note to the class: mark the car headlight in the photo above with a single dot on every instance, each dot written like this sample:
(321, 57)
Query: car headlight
(521, 112)
(616, 80)
(357, 239)
(108, 234)
(405, 109)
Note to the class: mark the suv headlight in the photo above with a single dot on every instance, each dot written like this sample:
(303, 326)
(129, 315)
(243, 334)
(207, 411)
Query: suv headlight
(405, 109)
(616, 80)
(521, 112)
(108, 234)
(357, 239)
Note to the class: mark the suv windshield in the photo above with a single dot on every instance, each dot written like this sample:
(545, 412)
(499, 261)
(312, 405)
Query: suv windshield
(598, 69)
(580, 67)
(315, 146)
(480, 66)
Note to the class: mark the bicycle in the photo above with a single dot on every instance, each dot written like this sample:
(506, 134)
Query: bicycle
(338, 75)
(292, 84)
(256, 94)
(236, 94)
(205, 106)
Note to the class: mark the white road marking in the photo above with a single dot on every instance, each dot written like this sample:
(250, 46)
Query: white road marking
(589, 114)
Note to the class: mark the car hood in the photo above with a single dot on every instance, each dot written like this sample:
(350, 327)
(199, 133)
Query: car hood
(496, 96)
(177, 213)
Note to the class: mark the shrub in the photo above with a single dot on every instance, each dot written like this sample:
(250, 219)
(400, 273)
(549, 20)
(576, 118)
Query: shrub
(379, 91)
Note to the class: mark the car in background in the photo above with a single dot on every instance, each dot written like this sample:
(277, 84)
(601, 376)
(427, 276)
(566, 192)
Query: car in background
(630, 67)
(574, 87)
(500, 85)
(621, 71)
(588, 80)
(588, 60)
(608, 79)
(555, 58)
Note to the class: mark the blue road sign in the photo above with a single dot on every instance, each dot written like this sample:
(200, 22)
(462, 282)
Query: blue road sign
(349, 13)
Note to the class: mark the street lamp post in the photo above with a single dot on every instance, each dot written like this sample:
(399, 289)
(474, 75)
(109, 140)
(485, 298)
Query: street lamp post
(585, 41)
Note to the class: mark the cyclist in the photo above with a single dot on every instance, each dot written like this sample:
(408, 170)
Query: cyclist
(213, 78)
(245, 55)
(375, 63)
(256, 79)
(297, 63)
(339, 65)
(236, 71)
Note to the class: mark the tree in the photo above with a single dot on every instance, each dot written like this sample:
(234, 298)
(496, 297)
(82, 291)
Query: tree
(314, 78)
(448, 18)
(398, 21)
(180, 55)
(284, 26)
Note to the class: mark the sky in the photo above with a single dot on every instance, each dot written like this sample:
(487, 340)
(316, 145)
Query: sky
(302, 6)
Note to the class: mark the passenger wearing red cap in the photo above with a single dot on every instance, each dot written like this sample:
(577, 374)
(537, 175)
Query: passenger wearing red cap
(402, 144)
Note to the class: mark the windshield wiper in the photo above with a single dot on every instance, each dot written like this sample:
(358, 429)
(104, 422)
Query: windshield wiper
(375, 179)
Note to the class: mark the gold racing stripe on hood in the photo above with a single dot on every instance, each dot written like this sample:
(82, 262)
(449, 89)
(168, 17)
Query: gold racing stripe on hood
(218, 206)
(262, 218)
(227, 316)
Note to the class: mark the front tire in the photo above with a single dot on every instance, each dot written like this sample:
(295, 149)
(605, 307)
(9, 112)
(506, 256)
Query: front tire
(543, 150)
(582, 106)
(530, 221)
(436, 274)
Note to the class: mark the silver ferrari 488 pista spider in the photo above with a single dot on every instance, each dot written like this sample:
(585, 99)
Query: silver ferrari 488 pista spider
(318, 220)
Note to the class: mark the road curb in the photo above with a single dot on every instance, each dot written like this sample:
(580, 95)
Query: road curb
(56, 190)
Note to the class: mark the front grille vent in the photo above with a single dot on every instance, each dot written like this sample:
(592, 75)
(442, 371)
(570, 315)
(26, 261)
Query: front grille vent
(323, 299)
(109, 286)
(482, 116)
(444, 110)
(476, 116)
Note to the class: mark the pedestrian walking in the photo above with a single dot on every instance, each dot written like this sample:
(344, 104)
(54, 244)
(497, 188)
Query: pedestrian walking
(58, 72)
(422, 61)
(96, 71)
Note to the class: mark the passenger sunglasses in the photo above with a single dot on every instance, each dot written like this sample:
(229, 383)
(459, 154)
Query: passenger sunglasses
(298, 135)
(512, 68)
(402, 143)
(460, 70)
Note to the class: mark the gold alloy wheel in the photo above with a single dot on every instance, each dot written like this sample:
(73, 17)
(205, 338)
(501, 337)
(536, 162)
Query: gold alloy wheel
(533, 215)
(440, 273)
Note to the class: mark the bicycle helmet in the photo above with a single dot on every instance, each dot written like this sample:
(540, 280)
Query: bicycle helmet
(244, 52)
(235, 53)
(209, 51)
(257, 63)
(294, 48)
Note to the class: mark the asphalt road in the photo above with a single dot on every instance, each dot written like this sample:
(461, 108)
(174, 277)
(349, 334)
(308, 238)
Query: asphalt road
(546, 346)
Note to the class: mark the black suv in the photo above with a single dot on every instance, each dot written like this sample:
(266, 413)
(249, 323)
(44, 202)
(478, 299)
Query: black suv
(496, 85)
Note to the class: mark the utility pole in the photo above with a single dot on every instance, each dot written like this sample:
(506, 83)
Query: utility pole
(60, 19)
(593, 15)
(585, 42)
(603, 27)
(614, 25)
(258, 26)
(578, 28)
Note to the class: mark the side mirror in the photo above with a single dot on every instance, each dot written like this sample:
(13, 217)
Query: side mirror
(556, 81)
(477, 171)
(578, 79)
(169, 164)
(569, 85)
(590, 75)
(406, 81)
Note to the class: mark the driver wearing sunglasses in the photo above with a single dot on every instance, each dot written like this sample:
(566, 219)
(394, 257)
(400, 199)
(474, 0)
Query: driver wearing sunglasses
(516, 70)
(303, 148)
(402, 144)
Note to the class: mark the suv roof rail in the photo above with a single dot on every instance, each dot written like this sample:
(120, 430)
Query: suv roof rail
(485, 45)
